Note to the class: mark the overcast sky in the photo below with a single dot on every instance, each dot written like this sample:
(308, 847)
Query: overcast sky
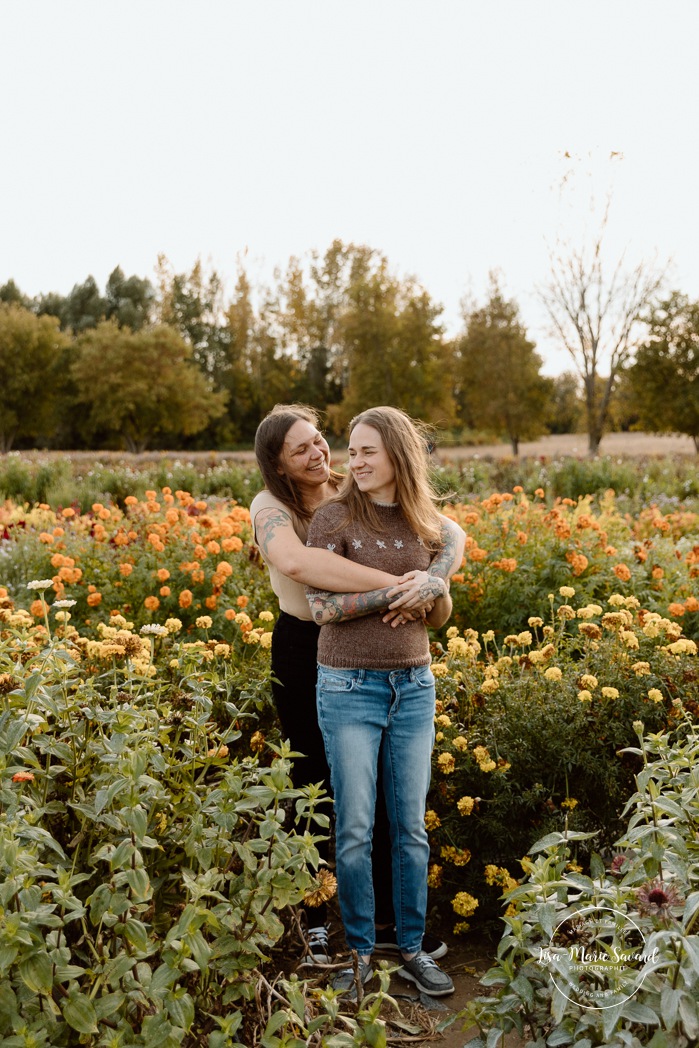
(433, 130)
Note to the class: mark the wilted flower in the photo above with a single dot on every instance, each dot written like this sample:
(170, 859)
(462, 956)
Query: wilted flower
(324, 889)
(655, 898)
(432, 820)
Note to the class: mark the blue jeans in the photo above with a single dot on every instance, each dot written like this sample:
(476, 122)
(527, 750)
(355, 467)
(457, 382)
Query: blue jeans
(357, 711)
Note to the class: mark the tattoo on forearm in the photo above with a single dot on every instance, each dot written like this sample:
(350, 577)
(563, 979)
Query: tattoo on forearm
(443, 561)
(267, 523)
(433, 588)
(336, 607)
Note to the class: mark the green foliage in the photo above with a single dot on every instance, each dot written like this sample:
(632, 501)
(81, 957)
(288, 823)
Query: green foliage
(500, 385)
(140, 386)
(664, 378)
(31, 355)
(651, 893)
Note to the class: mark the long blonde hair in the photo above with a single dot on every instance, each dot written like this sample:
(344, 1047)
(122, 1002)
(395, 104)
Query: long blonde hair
(406, 445)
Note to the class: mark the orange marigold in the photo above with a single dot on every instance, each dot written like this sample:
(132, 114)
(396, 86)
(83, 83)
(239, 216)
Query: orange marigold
(243, 601)
(185, 598)
(125, 569)
(691, 604)
(152, 603)
(94, 599)
(622, 572)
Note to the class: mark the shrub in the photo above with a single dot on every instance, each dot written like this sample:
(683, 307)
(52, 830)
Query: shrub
(557, 979)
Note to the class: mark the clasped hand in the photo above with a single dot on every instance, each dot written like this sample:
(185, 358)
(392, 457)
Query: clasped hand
(415, 594)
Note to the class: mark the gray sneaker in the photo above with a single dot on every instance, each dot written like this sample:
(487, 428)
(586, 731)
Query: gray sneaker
(344, 981)
(427, 975)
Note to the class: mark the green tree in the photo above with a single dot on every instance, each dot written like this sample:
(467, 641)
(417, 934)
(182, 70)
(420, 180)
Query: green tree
(500, 384)
(129, 300)
(565, 410)
(664, 379)
(31, 350)
(11, 295)
(391, 345)
(141, 386)
(193, 304)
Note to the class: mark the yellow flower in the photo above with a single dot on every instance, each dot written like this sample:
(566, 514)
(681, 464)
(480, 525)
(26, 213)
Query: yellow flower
(488, 687)
(222, 651)
(452, 632)
(446, 763)
(465, 805)
(655, 695)
(610, 693)
(641, 669)
(585, 696)
(553, 673)
(524, 638)
(266, 616)
(434, 876)
(534, 621)
(617, 600)
(485, 763)
(459, 743)
(488, 636)
(204, 622)
(464, 904)
(567, 592)
(266, 640)
(491, 874)
(439, 737)
(443, 721)
(173, 625)
(457, 646)
(461, 927)
(440, 669)
(588, 681)
(630, 639)
(570, 802)
(565, 612)
(432, 820)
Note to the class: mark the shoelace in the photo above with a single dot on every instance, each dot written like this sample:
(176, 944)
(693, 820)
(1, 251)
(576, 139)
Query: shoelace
(318, 937)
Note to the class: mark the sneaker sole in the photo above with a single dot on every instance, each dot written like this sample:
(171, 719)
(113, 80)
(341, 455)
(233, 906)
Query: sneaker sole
(391, 947)
(314, 962)
(424, 989)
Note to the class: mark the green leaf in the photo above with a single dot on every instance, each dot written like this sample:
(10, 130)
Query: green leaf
(640, 1013)
(79, 1012)
(36, 972)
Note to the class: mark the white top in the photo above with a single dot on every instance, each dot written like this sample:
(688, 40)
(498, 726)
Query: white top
(291, 595)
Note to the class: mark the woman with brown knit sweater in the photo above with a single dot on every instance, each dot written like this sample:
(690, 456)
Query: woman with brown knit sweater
(376, 696)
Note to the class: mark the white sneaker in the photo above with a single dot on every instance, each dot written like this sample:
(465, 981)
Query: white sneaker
(318, 947)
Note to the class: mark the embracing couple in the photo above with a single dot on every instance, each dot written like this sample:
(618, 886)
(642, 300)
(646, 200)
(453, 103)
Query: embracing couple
(360, 565)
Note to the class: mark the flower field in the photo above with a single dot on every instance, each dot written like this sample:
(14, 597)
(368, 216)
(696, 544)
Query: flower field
(152, 848)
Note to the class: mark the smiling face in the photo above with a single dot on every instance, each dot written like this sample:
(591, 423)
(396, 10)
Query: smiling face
(305, 457)
(372, 469)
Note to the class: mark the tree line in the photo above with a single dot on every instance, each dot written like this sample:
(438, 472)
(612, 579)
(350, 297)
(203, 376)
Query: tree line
(177, 363)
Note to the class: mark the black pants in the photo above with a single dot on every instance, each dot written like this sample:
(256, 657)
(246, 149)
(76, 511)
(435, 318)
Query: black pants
(294, 665)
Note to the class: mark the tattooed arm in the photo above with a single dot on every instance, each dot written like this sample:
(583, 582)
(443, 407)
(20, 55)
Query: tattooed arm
(281, 546)
(443, 564)
(338, 607)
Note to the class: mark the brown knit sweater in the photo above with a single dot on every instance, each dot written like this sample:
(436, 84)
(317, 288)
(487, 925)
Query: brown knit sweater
(367, 642)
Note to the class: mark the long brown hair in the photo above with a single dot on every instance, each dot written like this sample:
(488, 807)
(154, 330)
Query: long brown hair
(269, 441)
(406, 445)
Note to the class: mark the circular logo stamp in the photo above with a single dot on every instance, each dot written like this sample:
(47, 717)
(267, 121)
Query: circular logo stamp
(596, 957)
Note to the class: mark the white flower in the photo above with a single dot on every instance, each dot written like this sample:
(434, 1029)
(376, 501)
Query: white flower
(40, 584)
(64, 603)
(154, 628)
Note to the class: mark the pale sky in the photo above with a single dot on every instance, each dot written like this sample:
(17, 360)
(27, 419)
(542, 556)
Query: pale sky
(432, 130)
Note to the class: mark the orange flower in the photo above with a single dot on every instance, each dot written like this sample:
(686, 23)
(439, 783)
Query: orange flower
(691, 604)
(211, 602)
(23, 776)
(151, 603)
(539, 493)
(676, 610)
(163, 574)
(68, 512)
(38, 608)
(232, 545)
(622, 572)
(125, 569)
(46, 537)
(657, 573)
(457, 578)
(94, 599)
(164, 591)
(201, 505)
(185, 598)
(243, 601)
(130, 500)
(229, 614)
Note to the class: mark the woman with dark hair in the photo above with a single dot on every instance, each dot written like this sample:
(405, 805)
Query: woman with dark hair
(294, 460)
(376, 695)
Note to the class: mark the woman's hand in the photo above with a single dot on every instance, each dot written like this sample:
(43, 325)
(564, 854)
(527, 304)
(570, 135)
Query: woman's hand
(415, 590)
(398, 617)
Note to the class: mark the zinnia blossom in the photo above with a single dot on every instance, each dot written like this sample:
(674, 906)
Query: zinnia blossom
(23, 776)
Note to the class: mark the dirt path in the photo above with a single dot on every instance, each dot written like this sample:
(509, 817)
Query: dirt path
(575, 444)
